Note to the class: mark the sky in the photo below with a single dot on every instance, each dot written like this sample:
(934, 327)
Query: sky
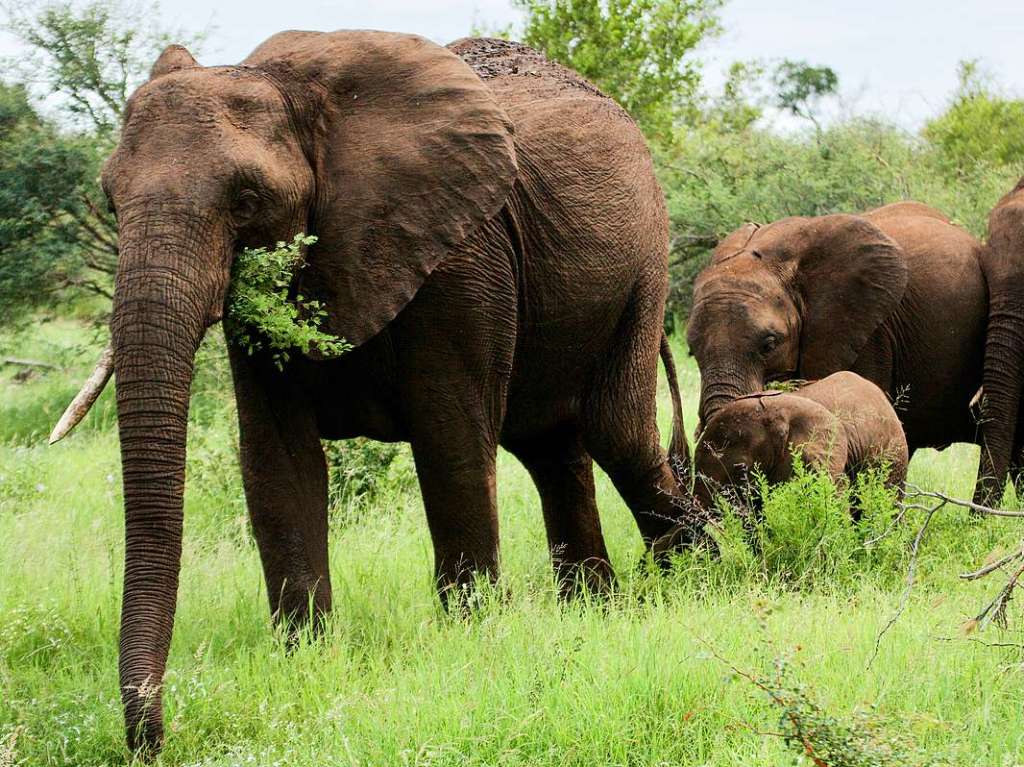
(894, 57)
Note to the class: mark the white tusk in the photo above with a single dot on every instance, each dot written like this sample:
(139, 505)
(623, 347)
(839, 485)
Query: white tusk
(976, 398)
(91, 390)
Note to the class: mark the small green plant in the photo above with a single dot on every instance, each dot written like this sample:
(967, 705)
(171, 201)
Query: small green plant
(262, 315)
(803, 532)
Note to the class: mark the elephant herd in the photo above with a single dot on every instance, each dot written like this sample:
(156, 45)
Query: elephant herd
(494, 244)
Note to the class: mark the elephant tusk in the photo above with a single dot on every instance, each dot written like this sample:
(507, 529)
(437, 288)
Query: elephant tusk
(976, 398)
(84, 400)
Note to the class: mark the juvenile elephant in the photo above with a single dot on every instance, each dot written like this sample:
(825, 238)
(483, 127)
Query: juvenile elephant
(492, 241)
(896, 295)
(842, 424)
(1002, 260)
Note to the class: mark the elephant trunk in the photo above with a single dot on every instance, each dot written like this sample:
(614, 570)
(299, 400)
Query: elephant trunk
(1003, 384)
(719, 387)
(161, 310)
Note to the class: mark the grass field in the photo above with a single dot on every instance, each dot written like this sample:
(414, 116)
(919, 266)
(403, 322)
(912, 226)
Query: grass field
(635, 680)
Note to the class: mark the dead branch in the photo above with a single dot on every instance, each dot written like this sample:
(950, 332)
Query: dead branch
(26, 363)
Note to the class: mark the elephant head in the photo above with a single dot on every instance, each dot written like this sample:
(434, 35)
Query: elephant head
(797, 298)
(388, 148)
(1002, 261)
(760, 431)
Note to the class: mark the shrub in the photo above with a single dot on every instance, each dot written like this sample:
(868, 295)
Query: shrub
(804, 533)
(262, 314)
(360, 471)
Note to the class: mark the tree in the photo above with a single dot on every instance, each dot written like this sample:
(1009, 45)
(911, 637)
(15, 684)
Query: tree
(639, 52)
(55, 232)
(980, 125)
(51, 238)
(800, 88)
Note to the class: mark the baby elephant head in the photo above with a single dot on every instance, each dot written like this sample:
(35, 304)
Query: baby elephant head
(760, 432)
(797, 298)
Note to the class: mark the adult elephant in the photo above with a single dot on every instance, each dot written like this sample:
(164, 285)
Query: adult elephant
(896, 295)
(1002, 260)
(493, 242)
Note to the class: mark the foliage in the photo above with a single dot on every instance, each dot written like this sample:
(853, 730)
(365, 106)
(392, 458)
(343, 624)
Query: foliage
(801, 86)
(360, 471)
(820, 738)
(261, 313)
(979, 127)
(91, 55)
(639, 52)
(58, 242)
(802, 533)
(50, 239)
(717, 180)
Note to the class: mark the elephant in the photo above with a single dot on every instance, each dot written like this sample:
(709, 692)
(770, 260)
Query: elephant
(1002, 260)
(493, 244)
(897, 295)
(842, 424)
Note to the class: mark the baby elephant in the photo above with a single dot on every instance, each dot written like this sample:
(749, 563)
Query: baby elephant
(842, 424)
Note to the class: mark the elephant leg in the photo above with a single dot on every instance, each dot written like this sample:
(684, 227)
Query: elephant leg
(564, 476)
(285, 479)
(620, 424)
(456, 471)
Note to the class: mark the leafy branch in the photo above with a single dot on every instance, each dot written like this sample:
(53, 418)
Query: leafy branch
(261, 314)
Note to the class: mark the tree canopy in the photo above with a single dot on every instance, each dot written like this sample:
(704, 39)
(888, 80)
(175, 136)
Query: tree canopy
(640, 52)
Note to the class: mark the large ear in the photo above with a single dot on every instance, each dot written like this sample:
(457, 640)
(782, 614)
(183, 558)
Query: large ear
(173, 58)
(412, 154)
(850, 277)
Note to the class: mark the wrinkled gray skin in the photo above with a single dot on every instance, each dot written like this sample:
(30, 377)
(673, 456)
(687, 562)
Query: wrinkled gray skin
(896, 295)
(491, 239)
(842, 424)
(1002, 417)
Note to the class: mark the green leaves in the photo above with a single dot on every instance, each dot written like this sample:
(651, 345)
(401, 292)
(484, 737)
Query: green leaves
(981, 126)
(639, 52)
(262, 315)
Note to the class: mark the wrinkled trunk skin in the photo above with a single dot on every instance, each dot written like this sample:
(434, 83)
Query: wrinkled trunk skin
(1003, 382)
(160, 314)
(719, 387)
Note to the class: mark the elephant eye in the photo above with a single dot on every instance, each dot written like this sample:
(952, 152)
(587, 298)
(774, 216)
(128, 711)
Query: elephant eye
(246, 205)
(769, 343)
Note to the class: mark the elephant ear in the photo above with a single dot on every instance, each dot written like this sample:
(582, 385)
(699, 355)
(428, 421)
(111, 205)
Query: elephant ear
(412, 154)
(173, 58)
(850, 277)
(734, 243)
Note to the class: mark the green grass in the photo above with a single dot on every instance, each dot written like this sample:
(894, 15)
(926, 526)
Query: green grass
(526, 680)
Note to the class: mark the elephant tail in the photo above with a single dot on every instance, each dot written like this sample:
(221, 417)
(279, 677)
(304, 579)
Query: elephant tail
(678, 449)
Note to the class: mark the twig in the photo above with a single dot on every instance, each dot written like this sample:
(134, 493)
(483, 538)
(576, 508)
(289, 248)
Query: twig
(1013, 645)
(911, 576)
(993, 567)
(915, 492)
(26, 363)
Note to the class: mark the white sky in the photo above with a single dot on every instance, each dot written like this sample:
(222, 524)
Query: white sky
(896, 57)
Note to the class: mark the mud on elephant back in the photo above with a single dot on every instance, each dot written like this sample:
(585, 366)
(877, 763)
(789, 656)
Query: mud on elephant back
(491, 240)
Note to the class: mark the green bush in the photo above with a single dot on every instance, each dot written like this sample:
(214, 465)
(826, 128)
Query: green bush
(803, 534)
(715, 181)
(262, 312)
(360, 471)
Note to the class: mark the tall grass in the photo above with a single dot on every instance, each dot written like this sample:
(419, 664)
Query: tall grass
(526, 680)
